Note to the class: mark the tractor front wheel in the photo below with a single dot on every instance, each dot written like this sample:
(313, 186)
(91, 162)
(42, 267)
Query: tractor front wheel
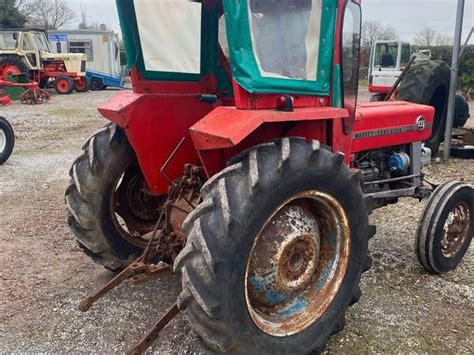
(446, 227)
(111, 209)
(82, 84)
(64, 85)
(276, 251)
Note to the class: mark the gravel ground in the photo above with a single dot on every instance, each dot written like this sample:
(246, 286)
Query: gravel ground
(43, 273)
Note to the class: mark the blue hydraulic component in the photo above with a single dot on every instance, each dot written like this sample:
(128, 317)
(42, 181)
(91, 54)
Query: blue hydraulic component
(398, 163)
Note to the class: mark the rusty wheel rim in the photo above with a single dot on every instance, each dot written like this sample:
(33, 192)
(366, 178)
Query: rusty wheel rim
(455, 229)
(297, 264)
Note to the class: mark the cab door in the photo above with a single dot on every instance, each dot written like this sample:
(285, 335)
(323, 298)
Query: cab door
(30, 52)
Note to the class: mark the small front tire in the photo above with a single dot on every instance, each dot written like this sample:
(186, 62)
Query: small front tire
(7, 140)
(64, 85)
(446, 227)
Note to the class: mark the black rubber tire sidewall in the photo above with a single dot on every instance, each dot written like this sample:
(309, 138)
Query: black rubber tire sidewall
(462, 152)
(442, 263)
(419, 86)
(96, 84)
(10, 140)
(113, 171)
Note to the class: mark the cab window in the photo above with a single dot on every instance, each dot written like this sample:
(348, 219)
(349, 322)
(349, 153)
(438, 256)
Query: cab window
(285, 37)
(40, 41)
(27, 45)
(9, 40)
(170, 35)
(386, 55)
(406, 54)
(351, 55)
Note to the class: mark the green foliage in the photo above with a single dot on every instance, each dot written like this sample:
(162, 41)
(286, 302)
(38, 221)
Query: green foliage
(10, 16)
(466, 64)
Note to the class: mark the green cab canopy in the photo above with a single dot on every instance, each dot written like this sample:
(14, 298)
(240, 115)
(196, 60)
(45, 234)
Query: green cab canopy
(275, 46)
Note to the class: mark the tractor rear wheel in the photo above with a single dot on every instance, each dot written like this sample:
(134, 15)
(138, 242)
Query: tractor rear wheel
(64, 85)
(12, 65)
(427, 83)
(276, 251)
(7, 140)
(109, 204)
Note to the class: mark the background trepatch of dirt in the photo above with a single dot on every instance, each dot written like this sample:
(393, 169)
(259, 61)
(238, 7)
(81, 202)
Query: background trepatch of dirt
(43, 274)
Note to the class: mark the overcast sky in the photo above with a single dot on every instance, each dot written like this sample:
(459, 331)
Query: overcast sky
(407, 16)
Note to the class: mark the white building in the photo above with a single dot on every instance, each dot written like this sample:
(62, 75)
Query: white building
(102, 48)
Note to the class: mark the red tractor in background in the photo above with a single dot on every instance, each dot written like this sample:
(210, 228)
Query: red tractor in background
(243, 161)
(28, 51)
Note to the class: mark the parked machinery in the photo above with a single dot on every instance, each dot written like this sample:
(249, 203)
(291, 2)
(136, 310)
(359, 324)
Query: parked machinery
(28, 51)
(242, 161)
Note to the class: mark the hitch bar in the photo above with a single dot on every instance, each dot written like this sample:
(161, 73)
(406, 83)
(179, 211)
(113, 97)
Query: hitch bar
(137, 273)
(150, 337)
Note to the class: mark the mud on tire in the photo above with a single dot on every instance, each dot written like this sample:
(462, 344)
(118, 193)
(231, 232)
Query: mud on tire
(221, 232)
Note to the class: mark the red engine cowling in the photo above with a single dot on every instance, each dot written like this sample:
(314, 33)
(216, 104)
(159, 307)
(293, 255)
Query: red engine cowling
(386, 124)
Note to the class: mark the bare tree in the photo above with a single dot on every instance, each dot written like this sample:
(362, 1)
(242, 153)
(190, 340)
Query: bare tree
(426, 37)
(373, 31)
(443, 39)
(86, 25)
(48, 14)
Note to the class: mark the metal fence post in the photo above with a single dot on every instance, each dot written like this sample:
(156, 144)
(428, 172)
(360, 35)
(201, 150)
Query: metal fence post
(454, 79)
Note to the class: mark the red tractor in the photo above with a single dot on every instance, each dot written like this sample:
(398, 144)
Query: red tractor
(242, 161)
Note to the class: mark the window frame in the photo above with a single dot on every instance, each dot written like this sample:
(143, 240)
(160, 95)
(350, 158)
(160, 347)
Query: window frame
(348, 124)
(243, 60)
(90, 58)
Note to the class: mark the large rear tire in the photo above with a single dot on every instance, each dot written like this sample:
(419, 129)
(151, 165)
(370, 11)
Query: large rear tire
(427, 83)
(227, 245)
(7, 140)
(109, 208)
(12, 65)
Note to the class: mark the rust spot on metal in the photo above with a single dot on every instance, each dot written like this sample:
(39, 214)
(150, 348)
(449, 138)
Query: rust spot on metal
(456, 229)
(297, 263)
